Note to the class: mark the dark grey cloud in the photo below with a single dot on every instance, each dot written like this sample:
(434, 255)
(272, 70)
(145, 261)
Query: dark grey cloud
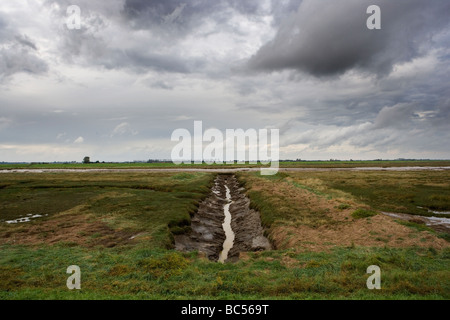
(14, 60)
(282, 10)
(137, 70)
(405, 113)
(146, 14)
(248, 7)
(159, 84)
(181, 15)
(398, 116)
(157, 62)
(163, 24)
(326, 38)
(26, 41)
(416, 95)
(403, 125)
(18, 53)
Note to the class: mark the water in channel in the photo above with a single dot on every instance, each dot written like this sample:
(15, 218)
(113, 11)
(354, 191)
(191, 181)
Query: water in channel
(229, 234)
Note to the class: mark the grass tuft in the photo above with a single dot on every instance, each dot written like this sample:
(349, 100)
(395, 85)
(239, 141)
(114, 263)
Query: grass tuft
(363, 213)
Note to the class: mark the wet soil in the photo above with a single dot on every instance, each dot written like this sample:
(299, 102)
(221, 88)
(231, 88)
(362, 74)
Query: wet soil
(245, 222)
(207, 233)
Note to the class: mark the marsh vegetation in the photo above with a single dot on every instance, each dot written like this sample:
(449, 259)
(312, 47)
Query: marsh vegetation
(120, 228)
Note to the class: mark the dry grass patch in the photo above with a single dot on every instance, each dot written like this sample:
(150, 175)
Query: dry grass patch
(379, 231)
(306, 215)
(74, 226)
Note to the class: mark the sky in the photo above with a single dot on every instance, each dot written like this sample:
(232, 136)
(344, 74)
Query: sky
(116, 88)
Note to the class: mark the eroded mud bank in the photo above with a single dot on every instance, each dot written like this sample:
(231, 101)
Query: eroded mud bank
(207, 226)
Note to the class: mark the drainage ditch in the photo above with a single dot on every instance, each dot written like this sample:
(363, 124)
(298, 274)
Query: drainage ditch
(224, 224)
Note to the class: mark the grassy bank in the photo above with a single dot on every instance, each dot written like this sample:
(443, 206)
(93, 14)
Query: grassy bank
(95, 208)
(404, 192)
(342, 201)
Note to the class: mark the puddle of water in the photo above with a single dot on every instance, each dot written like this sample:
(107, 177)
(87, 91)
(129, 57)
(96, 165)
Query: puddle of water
(229, 234)
(24, 219)
(439, 212)
(435, 212)
(429, 221)
(437, 221)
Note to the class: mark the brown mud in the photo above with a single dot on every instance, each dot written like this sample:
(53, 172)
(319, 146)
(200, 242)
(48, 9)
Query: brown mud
(207, 233)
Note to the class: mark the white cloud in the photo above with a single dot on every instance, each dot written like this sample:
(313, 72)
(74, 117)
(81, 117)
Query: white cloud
(182, 118)
(79, 140)
(4, 122)
(43, 152)
(123, 129)
(61, 135)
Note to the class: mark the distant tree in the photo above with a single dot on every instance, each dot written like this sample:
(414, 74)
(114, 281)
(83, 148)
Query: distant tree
(86, 160)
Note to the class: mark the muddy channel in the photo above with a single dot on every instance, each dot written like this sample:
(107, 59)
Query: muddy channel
(224, 224)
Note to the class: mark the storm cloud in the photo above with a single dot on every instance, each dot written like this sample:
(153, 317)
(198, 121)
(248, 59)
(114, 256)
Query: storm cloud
(136, 70)
(18, 53)
(326, 38)
(183, 16)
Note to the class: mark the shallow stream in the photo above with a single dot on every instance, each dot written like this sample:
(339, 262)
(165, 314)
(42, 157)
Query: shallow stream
(224, 224)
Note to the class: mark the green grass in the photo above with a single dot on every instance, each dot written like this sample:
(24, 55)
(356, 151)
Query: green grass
(141, 273)
(126, 201)
(363, 213)
(412, 192)
(161, 204)
(343, 206)
(403, 192)
(293, 164)
(276, 206)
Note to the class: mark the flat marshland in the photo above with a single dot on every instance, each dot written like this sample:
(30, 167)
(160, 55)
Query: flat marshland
(326, 228)
(283, 164)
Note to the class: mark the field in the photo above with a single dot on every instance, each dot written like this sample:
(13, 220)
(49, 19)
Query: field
(283, 164)
(326, 227)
